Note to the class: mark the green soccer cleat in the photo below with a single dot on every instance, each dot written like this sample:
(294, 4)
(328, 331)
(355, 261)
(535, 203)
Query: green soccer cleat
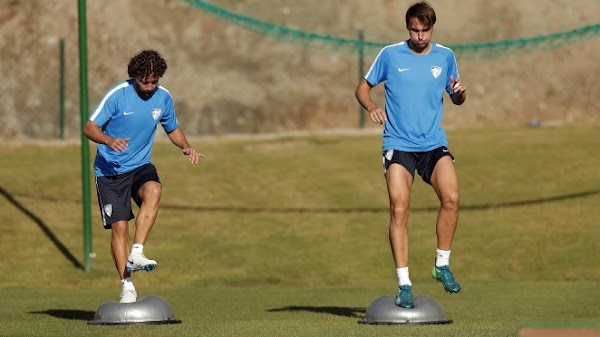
(444, 275)
(404, 297)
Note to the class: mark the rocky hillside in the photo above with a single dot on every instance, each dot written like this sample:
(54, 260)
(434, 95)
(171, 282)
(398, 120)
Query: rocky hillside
(226, 79)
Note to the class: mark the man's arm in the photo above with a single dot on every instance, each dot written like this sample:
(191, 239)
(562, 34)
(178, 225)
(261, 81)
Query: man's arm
(178, 138)
(95, 134)
(460, 91)
(363, 96)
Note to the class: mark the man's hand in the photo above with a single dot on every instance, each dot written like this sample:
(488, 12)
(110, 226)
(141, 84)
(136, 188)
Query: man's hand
(118, 144)
(457, 85)
(377, 114)
(460, 91)
(193, 155)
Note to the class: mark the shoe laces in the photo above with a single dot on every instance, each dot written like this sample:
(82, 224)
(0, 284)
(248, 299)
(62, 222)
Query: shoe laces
(445, 274)
(405, 292)
(128, 290)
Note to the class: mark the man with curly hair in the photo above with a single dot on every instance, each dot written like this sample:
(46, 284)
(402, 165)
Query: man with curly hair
(416, 73)
(124, 125)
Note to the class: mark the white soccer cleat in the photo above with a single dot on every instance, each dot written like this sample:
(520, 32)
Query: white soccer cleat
(138, 261)
(128, 296)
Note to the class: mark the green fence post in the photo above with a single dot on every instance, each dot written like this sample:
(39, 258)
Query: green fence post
(361, 73)
(85, 152)
(61, 90)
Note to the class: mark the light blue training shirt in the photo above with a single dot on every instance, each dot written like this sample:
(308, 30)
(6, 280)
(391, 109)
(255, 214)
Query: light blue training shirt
(123, 114)
(414, 89)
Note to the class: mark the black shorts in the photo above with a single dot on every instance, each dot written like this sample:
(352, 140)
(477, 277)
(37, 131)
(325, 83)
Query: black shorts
(115, 193)
(423, 162)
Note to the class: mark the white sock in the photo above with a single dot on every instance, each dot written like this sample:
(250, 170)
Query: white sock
(403, 278)
(442, 257)
(126, 283)
(137, 248)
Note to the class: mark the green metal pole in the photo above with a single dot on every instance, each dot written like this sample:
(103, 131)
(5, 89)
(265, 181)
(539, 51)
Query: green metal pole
(361, 72)
(61, 90)
(85, 152)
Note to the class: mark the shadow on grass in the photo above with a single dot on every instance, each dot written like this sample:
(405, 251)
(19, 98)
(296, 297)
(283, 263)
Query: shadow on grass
(506, 204)
(338, 311)
(40, 223)
(80, 315)
(241, 209)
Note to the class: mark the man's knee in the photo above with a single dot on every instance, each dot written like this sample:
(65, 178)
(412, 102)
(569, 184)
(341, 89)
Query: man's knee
(120, 228)
(450, 201)
(151, 191)
(400, 210)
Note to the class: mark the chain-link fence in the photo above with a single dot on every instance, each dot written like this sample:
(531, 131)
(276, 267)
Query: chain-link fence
(268, 66)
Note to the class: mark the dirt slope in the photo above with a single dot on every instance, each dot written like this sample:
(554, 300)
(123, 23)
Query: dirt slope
(229, 80)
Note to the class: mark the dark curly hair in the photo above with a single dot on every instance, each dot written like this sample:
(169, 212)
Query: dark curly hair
(146, 63)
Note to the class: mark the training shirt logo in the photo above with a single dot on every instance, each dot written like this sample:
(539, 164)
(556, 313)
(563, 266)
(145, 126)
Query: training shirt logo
(126, 113)
(156, 113)
(436, 71)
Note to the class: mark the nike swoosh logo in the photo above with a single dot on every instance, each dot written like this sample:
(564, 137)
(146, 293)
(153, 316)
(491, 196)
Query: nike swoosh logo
(403, 69)
(130, 261)
(128, 113)
(445, 150)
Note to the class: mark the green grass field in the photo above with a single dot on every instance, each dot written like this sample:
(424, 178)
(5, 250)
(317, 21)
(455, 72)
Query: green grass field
(288, 237)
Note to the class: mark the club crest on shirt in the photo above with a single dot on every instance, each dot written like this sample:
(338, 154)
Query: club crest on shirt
(156, 113)
(108, 210)
(436, 71)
